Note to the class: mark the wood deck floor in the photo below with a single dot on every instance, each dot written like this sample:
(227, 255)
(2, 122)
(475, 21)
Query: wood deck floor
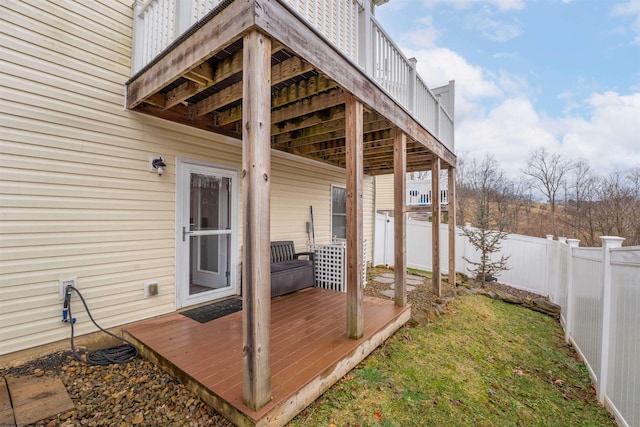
(310, 351)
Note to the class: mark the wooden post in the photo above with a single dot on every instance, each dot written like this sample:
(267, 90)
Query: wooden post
(435, 225)
(400, 220)
(256, 188)
(451, 218)
(354, 163)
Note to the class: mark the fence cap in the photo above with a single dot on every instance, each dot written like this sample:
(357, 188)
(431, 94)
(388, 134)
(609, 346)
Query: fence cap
(612, 241)
(573, 242)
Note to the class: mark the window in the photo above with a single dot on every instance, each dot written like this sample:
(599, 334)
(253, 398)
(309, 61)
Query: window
(338, 212)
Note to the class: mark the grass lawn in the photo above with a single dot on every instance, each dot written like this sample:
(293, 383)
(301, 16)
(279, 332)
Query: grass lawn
(486, 363)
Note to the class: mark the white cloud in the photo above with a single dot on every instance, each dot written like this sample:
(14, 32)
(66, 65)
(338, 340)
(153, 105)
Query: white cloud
(510, 131)
(492, 29)
(438, 66)
(610, 137)
(630, 8)
(425, 36)
(465, 4)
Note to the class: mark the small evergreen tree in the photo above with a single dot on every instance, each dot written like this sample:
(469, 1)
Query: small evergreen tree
(487, 242)
(488, 183)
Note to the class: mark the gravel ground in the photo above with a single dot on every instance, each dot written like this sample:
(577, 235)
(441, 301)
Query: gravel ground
(133, 394)
(141, 394)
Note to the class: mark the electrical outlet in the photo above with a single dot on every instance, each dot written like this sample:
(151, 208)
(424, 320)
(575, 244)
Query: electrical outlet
(150, 289)
(62, 285)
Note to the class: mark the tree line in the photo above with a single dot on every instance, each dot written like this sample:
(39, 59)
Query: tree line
(578, 202)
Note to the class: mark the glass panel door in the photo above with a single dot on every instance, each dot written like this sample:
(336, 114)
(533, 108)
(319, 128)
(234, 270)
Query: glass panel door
(206, 250)
(209, 224)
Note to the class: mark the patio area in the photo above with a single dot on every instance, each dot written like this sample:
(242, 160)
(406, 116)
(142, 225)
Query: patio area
(310, 351)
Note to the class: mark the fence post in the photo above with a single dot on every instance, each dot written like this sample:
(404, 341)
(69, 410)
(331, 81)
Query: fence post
(412, 85)
(568, 324)
(608, 243)
(183, 16)
(547, 264)
(365, 46)
(137, 59)
(465, 251)
(438, 108)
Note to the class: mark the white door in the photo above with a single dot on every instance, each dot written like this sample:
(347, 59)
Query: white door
(206, 233)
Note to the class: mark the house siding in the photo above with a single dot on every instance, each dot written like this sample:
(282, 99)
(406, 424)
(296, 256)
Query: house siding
(76, 197)
(384, 193)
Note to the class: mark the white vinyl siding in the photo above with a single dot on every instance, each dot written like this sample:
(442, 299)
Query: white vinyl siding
(76, 197)
(384, 192)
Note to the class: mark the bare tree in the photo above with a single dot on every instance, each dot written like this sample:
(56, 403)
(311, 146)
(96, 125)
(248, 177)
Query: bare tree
(633, 178)
(548, 171)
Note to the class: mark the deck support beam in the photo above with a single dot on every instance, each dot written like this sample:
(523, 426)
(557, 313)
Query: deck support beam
(256, 188)
(400, 220)
(355, 229)
(451, 219)
(435, 225)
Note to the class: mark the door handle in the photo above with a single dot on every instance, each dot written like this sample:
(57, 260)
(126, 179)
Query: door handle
(185, 233)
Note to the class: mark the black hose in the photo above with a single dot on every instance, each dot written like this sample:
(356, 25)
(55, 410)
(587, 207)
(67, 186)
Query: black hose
(123, 353)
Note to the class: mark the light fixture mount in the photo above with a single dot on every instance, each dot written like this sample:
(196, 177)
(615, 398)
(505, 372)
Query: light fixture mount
(157, 165)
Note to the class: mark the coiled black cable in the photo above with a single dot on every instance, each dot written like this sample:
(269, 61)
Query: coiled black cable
(123, 353)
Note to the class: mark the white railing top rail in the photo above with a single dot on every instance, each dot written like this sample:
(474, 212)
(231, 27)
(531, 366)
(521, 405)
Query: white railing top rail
(347, 24)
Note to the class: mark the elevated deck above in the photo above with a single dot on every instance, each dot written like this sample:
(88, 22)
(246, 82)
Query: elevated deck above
(195, 78)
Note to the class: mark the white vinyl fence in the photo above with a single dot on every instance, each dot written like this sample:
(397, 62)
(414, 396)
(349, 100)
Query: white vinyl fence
(597, 288)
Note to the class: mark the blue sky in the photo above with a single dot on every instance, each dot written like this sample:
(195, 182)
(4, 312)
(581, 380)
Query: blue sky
(562, 74)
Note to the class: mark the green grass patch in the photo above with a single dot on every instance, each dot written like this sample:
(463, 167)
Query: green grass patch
(417, 272)
(486, 364)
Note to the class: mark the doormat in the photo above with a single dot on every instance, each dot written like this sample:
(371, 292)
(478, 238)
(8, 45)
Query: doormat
(213, 311)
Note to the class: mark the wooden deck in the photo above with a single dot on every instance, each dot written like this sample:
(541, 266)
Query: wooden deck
(310, 351)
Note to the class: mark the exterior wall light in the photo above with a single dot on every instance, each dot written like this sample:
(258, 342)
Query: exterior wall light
(157, 165)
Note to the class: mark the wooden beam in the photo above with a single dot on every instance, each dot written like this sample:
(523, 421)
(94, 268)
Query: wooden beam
(201, 74)
(355, 233)
(309, 104)
(213, 35)
(328, 131)
(180, 114)
(424, 209)
(224, 69)
(256, 191)
(275, 19)
(451, 218)
(400, 216)
(435, 226)
(309, 100)
(308, 120)
(280, 72)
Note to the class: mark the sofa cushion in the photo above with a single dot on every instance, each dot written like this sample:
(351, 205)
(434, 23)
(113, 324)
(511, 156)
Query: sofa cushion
(288, 265)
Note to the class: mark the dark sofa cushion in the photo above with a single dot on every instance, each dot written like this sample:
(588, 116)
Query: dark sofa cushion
(288, 265)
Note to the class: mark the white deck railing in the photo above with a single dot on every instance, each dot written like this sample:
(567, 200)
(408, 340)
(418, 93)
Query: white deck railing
(419, 193)
(347, 24)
